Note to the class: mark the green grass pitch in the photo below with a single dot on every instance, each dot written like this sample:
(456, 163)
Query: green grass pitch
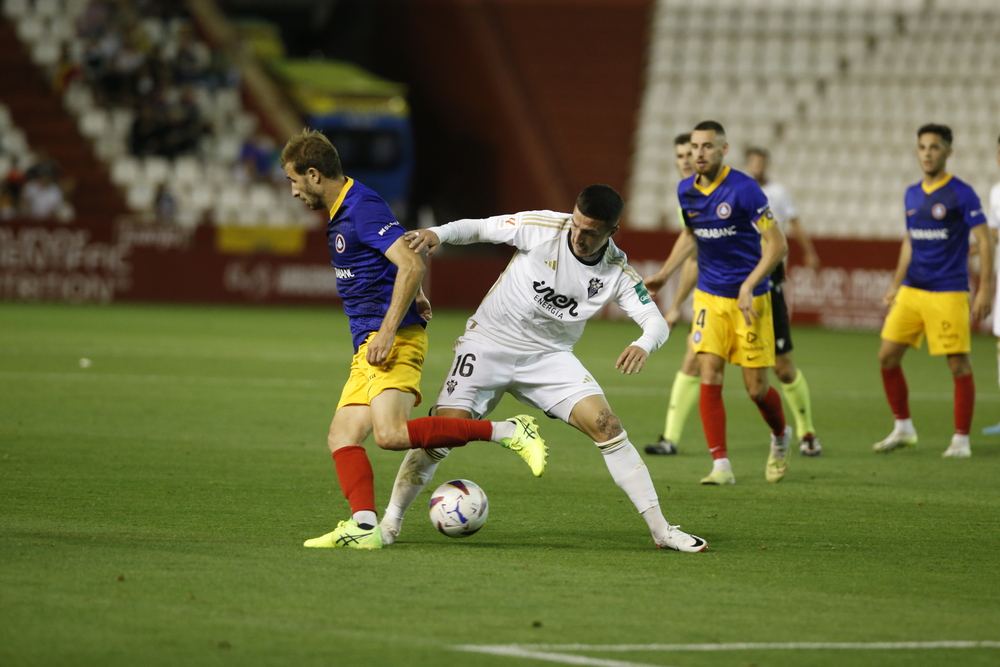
(153, 507)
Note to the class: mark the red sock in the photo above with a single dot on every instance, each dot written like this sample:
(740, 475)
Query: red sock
(897, 392)
(771, 409)
(965, 400)
(428, 432)
(713, 419)
(357, 481)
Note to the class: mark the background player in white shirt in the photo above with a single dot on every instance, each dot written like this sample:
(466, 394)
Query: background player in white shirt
(993, 219)
(520, 341)
(792, 381)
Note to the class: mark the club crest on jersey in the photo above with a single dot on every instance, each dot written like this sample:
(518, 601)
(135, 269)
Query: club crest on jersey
(594, 288)
(339, 243)
(451, 384)
(938, 211)
(723, 210)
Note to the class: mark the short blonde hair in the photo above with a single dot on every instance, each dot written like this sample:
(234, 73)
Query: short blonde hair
(312, 149)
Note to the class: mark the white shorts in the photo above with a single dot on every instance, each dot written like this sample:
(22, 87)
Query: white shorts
(482, 372)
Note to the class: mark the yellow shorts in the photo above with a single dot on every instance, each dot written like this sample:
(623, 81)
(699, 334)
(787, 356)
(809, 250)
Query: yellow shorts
(943, 316)
(719, 328)
(402, 370)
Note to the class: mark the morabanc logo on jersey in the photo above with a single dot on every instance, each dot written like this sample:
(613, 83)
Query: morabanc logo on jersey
(594, 288)
(547, 298)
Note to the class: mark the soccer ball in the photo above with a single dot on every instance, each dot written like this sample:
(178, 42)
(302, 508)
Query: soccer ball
(459, 508)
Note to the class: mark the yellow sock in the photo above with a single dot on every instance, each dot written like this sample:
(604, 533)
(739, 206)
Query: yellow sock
(797, 394)
(683, 397)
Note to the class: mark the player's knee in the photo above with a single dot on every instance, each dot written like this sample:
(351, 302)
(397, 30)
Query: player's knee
(391, 437)
(608, 426)
(785, 370)
(757, 391)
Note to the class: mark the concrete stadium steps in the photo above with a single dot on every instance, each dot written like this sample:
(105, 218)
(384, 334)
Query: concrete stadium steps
(37, 110)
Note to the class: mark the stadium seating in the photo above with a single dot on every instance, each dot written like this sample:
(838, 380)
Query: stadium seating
(47, 27)
(834, 88)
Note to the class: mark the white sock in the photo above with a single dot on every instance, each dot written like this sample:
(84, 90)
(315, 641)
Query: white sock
(960, 440)
(721, 464)
(365, 517)
(630, 473)
(904, 426)
(415, 472)
(503, 430)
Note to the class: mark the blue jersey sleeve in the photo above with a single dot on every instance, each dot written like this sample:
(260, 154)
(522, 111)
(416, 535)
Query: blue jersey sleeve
(753, 200)
(970, 207)
(377, 227)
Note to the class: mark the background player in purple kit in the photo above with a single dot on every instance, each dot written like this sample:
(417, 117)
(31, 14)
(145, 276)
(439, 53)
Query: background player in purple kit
(929, 293)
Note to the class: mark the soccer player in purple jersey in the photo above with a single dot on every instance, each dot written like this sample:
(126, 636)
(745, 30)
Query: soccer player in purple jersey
(727, 216)
(929, 293)
(378, 279)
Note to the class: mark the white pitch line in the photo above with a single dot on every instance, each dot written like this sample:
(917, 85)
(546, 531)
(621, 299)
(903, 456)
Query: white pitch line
(757, 646)
(516, 652)
(560, 653)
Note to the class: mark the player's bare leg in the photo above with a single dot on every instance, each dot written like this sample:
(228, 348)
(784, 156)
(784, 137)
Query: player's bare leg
(420, 463)
(415, 473)
(796, 390)
(965, 399)
(890, 358)
(713, 418)
(593, 416)
(683, 398)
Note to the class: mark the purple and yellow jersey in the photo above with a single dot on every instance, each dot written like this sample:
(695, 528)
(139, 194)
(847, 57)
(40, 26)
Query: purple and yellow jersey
(938, 219)
(727, 218)
(361, 229)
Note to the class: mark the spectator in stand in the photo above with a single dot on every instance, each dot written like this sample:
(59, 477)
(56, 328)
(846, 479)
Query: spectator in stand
(258, 158)
(165, 205)
(67, 70)
(193, 58)
(41, 197)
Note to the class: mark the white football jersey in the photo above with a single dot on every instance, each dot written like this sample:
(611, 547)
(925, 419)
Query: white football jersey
(993, 213)
(545, 296)
(781, 204)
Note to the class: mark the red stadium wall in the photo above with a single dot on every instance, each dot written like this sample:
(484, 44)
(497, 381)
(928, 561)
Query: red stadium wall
(92, 262)
(550, 89)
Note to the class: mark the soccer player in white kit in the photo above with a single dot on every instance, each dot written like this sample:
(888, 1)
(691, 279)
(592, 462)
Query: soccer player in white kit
(520, 341)
(993, 219)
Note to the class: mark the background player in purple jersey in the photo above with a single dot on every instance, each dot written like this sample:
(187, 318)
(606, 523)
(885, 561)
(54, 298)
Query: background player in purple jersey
(378, 278)
(727, 216)
(929, 293)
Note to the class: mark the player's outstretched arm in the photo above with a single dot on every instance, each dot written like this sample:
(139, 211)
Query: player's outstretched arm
(631, 359)
(655, 331)
(410, 269)
(423, 239)
(984, 295)
(905, 252)
(683, 248)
